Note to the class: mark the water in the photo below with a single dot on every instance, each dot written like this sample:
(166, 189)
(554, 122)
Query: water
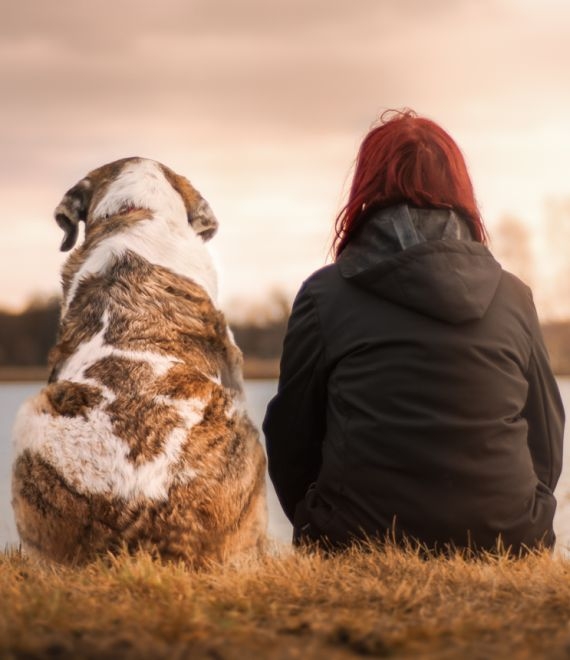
(258, 394)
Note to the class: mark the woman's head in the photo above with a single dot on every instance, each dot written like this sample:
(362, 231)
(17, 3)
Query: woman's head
(410, 159)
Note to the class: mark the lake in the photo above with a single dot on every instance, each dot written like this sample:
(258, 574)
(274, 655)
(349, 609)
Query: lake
(258, 393)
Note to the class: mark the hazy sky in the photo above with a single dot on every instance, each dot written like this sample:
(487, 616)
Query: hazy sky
(262, 105)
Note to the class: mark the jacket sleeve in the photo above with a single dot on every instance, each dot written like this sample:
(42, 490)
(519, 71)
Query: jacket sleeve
(544, 413)
(294, 424)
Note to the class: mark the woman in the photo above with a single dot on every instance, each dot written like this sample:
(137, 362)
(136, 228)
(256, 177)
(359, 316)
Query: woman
(415, 399)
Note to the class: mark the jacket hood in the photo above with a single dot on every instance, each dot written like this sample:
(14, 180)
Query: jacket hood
(424, 259)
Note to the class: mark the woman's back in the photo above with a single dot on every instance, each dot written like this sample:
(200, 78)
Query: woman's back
(423, 409)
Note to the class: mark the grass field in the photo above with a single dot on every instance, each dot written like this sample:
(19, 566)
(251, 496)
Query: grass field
(374, 603)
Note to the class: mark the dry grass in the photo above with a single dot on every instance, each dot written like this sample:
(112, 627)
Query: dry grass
(378, 603)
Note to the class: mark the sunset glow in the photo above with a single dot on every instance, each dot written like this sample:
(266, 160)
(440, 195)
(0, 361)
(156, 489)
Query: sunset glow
(262, 106)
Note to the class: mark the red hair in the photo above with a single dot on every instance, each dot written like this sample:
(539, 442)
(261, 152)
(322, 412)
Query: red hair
(410, 159)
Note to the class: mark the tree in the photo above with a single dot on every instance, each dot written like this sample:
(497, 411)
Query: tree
(556, 250)
(512, 247)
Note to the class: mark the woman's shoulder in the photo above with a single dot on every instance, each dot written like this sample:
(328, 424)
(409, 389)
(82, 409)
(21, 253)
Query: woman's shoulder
(510, 285)
(322, 282)
(328, 274)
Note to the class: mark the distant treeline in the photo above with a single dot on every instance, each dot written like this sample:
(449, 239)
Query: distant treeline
(26, 338)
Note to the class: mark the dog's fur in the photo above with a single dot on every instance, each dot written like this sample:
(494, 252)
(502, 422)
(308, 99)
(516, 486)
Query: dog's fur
(140, 438)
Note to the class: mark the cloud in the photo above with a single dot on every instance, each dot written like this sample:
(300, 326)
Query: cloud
(291, 66)
(264, 103)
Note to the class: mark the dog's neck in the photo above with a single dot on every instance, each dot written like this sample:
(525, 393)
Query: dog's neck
(150, 237)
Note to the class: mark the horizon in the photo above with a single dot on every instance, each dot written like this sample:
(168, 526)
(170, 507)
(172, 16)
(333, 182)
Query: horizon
(263, 107)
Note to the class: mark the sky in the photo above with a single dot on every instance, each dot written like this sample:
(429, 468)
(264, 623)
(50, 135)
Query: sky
(262, 106)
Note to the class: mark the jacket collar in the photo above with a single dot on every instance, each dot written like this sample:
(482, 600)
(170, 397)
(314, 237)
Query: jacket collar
(390, 230)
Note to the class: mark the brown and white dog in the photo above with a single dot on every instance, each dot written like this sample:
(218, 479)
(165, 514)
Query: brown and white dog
(140, 438)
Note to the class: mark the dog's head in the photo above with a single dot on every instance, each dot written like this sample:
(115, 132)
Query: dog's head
(128, 185)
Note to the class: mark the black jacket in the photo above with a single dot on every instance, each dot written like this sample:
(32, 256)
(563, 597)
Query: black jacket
(415, 394)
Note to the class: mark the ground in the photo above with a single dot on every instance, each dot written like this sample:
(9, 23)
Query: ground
(364, 603)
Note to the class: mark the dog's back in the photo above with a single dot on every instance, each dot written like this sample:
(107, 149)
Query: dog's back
(141, 438)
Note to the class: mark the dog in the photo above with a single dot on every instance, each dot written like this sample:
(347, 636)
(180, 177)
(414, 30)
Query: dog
(140, 439)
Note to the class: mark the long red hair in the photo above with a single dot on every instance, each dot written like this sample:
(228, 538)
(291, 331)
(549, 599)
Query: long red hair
(410, 159)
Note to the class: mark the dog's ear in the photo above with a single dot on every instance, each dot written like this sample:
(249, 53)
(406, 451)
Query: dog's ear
(73, 208)
(200, 216)
(203, 220)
